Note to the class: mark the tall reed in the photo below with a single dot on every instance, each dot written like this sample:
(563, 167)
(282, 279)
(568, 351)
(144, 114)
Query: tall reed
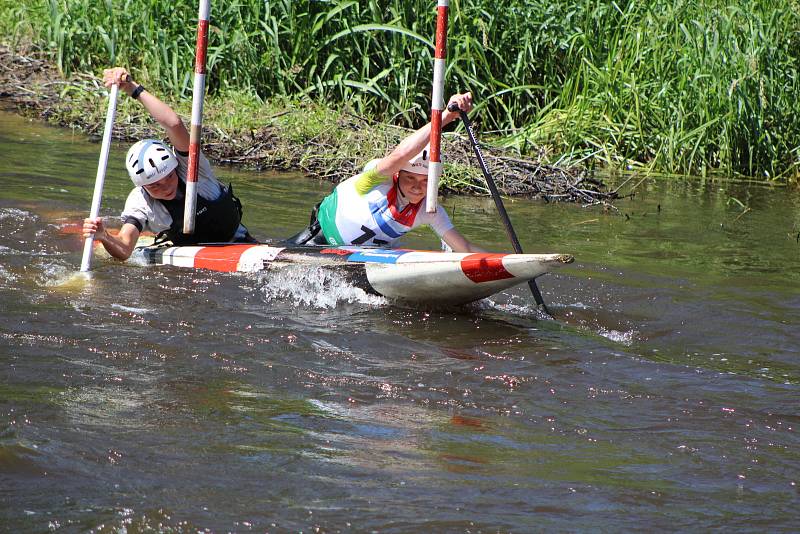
(683, 86)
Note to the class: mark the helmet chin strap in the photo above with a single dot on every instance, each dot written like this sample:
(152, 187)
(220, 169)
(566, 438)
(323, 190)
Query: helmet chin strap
(397, 181)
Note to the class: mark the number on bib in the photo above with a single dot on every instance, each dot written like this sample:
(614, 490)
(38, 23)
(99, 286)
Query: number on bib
(366, 236)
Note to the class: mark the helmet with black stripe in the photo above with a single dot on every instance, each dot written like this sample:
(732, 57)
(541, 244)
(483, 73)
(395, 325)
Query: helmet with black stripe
(149, 161)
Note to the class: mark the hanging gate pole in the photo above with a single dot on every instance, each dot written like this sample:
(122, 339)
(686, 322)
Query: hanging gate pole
(198, 92)
(437, 106)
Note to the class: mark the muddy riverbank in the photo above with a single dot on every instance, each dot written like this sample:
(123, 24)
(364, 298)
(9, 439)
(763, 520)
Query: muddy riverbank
(305, 136)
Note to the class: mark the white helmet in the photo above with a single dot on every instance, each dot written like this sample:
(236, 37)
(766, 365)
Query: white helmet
(148, 161)
(419, 163)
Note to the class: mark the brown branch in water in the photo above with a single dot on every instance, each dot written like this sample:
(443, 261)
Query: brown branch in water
(742, 214)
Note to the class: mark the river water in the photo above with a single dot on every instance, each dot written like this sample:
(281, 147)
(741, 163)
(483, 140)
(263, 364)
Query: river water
(665, 395)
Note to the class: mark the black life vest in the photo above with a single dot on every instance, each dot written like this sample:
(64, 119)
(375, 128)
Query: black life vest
(215, 221)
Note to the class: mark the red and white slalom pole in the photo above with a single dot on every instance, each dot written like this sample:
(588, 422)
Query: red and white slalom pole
(198, 92)
(437, 106)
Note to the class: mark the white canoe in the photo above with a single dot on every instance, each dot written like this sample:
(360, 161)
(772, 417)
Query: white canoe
(406, 275)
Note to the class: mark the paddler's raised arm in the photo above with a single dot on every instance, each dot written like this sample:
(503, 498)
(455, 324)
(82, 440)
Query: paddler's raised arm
(414, 143)
(162, 113)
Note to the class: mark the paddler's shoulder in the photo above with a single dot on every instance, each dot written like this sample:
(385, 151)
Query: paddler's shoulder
(368, 179)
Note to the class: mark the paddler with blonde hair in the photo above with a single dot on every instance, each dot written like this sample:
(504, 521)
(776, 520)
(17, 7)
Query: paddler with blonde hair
(387, 200)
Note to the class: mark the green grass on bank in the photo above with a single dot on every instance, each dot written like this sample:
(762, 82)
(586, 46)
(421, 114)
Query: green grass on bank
(675, 86)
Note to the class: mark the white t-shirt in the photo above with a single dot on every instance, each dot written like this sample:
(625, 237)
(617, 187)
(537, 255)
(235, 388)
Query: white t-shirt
(153, 216)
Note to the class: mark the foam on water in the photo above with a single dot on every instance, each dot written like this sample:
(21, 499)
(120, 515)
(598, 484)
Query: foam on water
(513, 304)
(64, 277)
(624, 338)
(316, 287)
(7, 276)
(523, 306)
(131, 309)
(137, 258)
(15, 213)
(56, 274)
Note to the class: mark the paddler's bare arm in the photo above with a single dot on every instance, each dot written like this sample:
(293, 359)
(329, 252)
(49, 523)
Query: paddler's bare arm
(162, 113)
(459, 243)
(414, 143)
(119, 246)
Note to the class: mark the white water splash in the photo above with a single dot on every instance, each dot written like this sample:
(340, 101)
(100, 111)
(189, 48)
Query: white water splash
(7, 276)
(624, 338)
(512, 304)
(137, 258)
(524, 306)
(55, 274)
(15, 213)
(316, 287)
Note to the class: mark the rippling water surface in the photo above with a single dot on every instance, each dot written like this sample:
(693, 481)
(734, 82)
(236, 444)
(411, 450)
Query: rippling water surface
(666, 395)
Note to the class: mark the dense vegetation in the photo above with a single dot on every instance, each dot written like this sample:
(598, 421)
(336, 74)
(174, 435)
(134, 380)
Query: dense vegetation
(679, 86)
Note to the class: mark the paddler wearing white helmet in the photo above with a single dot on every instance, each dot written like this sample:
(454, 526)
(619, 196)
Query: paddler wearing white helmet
(385, 201)
(158, 173)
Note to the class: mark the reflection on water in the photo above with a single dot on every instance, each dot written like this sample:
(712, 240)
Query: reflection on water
(665, 394)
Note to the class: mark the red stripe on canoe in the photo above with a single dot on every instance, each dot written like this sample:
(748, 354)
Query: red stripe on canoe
(224, 259)
(485, 267)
